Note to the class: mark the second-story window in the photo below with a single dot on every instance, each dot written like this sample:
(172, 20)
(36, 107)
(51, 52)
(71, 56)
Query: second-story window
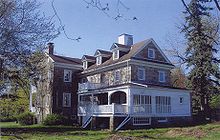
(162, 76)
(141, 74)
(67, 76)
(151, 53)
(99, 60)
(115, 54)
(85, 64)
(117, 75)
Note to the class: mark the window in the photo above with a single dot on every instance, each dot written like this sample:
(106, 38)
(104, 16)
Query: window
(162, 76)
(151, 53)
(66, 99)
(67, 76)
(162, 119)
(117, 75)
(142, 104)
(141, 74)
(85, 64)
(99, 60)
(141, 121)
(115, 54)
(163, 104)
(181, 100)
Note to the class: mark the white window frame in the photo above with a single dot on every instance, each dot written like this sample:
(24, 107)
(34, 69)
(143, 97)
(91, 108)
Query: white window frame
(115, 54)
(153, 53)
(115, 75)
(163, 80)
(142, 103)
(68, 96)
(69, 72)
(141, 121)
(162, 119)
(85, 64)
(163, 104)
(99, 60)
(138, 74)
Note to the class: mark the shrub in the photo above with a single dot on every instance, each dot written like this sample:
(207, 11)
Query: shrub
(54, 119)
(26, 118)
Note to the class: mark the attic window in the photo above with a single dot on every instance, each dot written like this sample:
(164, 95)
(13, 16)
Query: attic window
(151, 53)
(85, 64)
(99, 60)
(115, 54)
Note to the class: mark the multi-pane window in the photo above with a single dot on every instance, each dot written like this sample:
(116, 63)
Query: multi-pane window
(67, 76)
(162, 76)
(115, 54)
(151, 53)
(163, 104)
(141, 121)
(142, 104)
(66, 99)
(117, 75)
(85, 64)
(141, 74)
(99, 60)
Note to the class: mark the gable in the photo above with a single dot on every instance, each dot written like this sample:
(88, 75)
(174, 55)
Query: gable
(159, 55)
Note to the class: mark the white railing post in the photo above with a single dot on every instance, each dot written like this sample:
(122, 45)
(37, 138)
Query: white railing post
(113, 108)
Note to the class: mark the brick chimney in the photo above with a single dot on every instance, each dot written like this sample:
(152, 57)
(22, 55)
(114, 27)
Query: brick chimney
(125, 39)
(50, 48)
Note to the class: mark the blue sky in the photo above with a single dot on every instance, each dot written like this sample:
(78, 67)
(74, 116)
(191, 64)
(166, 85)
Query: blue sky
(157, 19)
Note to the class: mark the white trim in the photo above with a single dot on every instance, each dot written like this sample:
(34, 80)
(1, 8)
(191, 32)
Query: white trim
(115, 75)
(148, 53)
(135, 121)
(143, 70)
(85, 64)
(67, 72)
(115, 56)
(163, 78)
(68, 66)
(98, 60)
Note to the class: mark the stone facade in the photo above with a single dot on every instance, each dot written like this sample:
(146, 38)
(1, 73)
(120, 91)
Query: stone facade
(144, 53)
(108, 77)
(151, 75)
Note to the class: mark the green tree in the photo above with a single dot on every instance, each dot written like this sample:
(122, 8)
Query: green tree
(202, 38)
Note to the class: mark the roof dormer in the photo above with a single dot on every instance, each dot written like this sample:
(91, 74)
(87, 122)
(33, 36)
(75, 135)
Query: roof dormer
(88, 61)
(101, 56)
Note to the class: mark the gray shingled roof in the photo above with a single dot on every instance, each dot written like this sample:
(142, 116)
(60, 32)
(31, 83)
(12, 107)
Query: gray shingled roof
(64, 59)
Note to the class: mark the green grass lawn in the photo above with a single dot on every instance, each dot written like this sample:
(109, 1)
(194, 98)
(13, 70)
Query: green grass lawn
(11, 130)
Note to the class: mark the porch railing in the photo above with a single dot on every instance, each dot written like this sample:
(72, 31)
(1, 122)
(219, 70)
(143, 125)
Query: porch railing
(103, 109)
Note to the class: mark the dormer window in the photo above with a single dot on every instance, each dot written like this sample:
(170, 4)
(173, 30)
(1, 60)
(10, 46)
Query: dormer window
(85, 65)
(99, 60)
(115, 54)
(151, 53)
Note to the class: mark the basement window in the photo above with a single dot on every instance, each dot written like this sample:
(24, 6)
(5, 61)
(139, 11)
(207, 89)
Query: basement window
(141, 121)
(162, 119)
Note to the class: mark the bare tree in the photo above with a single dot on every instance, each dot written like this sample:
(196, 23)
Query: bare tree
(23, 31)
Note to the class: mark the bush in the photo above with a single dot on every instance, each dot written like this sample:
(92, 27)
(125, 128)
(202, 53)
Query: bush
(26, 118)
(54, 119)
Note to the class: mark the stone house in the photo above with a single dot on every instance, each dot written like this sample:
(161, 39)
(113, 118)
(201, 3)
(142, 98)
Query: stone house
(130, 86)
(126, 87)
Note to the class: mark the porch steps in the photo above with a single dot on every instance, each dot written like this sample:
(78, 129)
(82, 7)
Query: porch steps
(86, 123)
(123, 122)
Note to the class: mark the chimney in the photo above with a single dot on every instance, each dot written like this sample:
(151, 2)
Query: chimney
(125, 39)
(50, 48)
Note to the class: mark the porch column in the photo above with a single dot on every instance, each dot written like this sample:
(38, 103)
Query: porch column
(111, 123)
